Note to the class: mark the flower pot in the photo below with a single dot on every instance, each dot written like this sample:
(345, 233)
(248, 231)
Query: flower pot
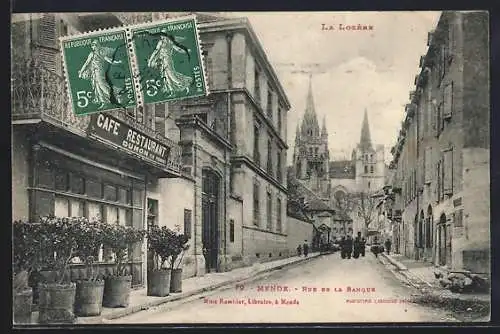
(117, 291)
(22, 306)
(176, 280)
(159, 282)
(56, 303)
(88, 300)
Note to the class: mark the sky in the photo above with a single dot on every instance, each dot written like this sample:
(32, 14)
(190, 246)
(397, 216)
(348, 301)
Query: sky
(352, 70)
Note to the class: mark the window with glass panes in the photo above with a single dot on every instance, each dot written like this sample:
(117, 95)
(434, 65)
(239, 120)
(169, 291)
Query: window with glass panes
(68, 188)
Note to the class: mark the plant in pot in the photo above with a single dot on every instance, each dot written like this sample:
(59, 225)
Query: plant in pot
(24, 261)
(57, 237)
(159, 243)
(117, 287)
(179, 245)
(90, 290)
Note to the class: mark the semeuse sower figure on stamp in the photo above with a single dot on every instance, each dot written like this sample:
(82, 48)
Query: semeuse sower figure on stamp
(162, 59)
(94, 69)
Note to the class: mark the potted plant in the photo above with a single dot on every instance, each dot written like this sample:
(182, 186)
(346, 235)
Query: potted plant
(178, 245)
(89, 291)
(159, 243)
(24, 261)
(57, 247)
(117, 287)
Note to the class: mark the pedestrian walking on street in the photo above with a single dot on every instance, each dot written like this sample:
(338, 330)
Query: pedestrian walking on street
(348, 246)
(363, 246)
(306, 248)
(342, 247)
(388, 245)
(299, 250)
(357, 245)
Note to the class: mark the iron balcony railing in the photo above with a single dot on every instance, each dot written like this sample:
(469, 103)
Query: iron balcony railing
(39, 94)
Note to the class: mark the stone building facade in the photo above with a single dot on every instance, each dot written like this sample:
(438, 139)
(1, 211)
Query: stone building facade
(441, 160)
(224, 184)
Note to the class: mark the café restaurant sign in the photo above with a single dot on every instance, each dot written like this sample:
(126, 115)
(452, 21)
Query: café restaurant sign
(118, 133)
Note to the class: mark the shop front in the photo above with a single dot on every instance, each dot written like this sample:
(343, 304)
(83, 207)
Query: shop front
(101, 175)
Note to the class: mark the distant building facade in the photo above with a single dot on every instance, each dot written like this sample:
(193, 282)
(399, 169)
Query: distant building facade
(441, 160)
(337, 180)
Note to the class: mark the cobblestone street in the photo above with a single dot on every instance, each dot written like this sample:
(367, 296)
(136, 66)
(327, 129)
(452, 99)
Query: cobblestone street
(384, 299)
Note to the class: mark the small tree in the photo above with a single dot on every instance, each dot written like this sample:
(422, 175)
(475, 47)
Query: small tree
(159, 242)
(88, 244)
(119, 238)
(366, 207)
(179, 245)
(25, 257)
(58, 243)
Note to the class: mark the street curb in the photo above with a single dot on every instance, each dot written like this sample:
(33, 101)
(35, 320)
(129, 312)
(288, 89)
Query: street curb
(435, 295)
(162, 300)
(397, 264)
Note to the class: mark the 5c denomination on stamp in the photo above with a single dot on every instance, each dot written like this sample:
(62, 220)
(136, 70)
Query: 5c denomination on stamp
(169, 60)
(98, 72)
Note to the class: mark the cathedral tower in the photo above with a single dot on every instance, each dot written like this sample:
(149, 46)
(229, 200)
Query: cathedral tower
(311, 154)
(370, 167)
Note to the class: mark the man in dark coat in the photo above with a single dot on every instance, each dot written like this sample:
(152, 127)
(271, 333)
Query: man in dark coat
(348, 246)
(363, 246)
(357, 245)
(388, 245)
(305, 248)
(342, 247)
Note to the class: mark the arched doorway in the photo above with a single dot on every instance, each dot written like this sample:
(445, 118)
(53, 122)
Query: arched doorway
(429, 233)
(442, 240)
(210, 218)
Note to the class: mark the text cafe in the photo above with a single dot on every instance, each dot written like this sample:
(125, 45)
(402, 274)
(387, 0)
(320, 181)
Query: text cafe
(105, 174)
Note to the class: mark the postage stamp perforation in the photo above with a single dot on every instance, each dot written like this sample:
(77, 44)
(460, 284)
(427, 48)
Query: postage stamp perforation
(135, 67)
(202, 56)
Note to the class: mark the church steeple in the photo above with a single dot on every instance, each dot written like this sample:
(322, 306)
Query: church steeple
(365, 142)
(310, 126)
(324, 133)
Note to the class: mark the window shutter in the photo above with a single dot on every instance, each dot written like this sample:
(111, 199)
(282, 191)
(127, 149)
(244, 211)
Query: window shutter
(458, 218)
(47, 30)
(438, 182)
(448, 101)
(443, 60)
(428, 165)
(448, 172)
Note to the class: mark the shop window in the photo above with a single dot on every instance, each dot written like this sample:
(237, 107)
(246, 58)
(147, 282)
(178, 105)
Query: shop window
(62, 180)
(94, 189)
(137, 197)
(110, 193)
(124, 195)
(94, 210)
(77, 208)
(61, 207)
(187, 222)
(231, 230)
(77, 184)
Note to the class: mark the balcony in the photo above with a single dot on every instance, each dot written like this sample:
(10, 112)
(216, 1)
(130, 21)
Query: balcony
(39, 95)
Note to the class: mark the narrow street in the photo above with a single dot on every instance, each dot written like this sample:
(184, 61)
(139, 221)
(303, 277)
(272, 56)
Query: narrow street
(384, 299)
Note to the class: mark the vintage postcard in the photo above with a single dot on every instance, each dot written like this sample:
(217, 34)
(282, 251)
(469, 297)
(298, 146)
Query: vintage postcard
(250, 167)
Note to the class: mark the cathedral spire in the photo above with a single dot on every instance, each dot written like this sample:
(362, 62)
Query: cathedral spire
(365, 142)
(324, 133)
(310, 126)
(297, 134)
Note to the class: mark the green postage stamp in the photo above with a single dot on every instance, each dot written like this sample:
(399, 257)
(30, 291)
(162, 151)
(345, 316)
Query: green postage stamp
(131, 66)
